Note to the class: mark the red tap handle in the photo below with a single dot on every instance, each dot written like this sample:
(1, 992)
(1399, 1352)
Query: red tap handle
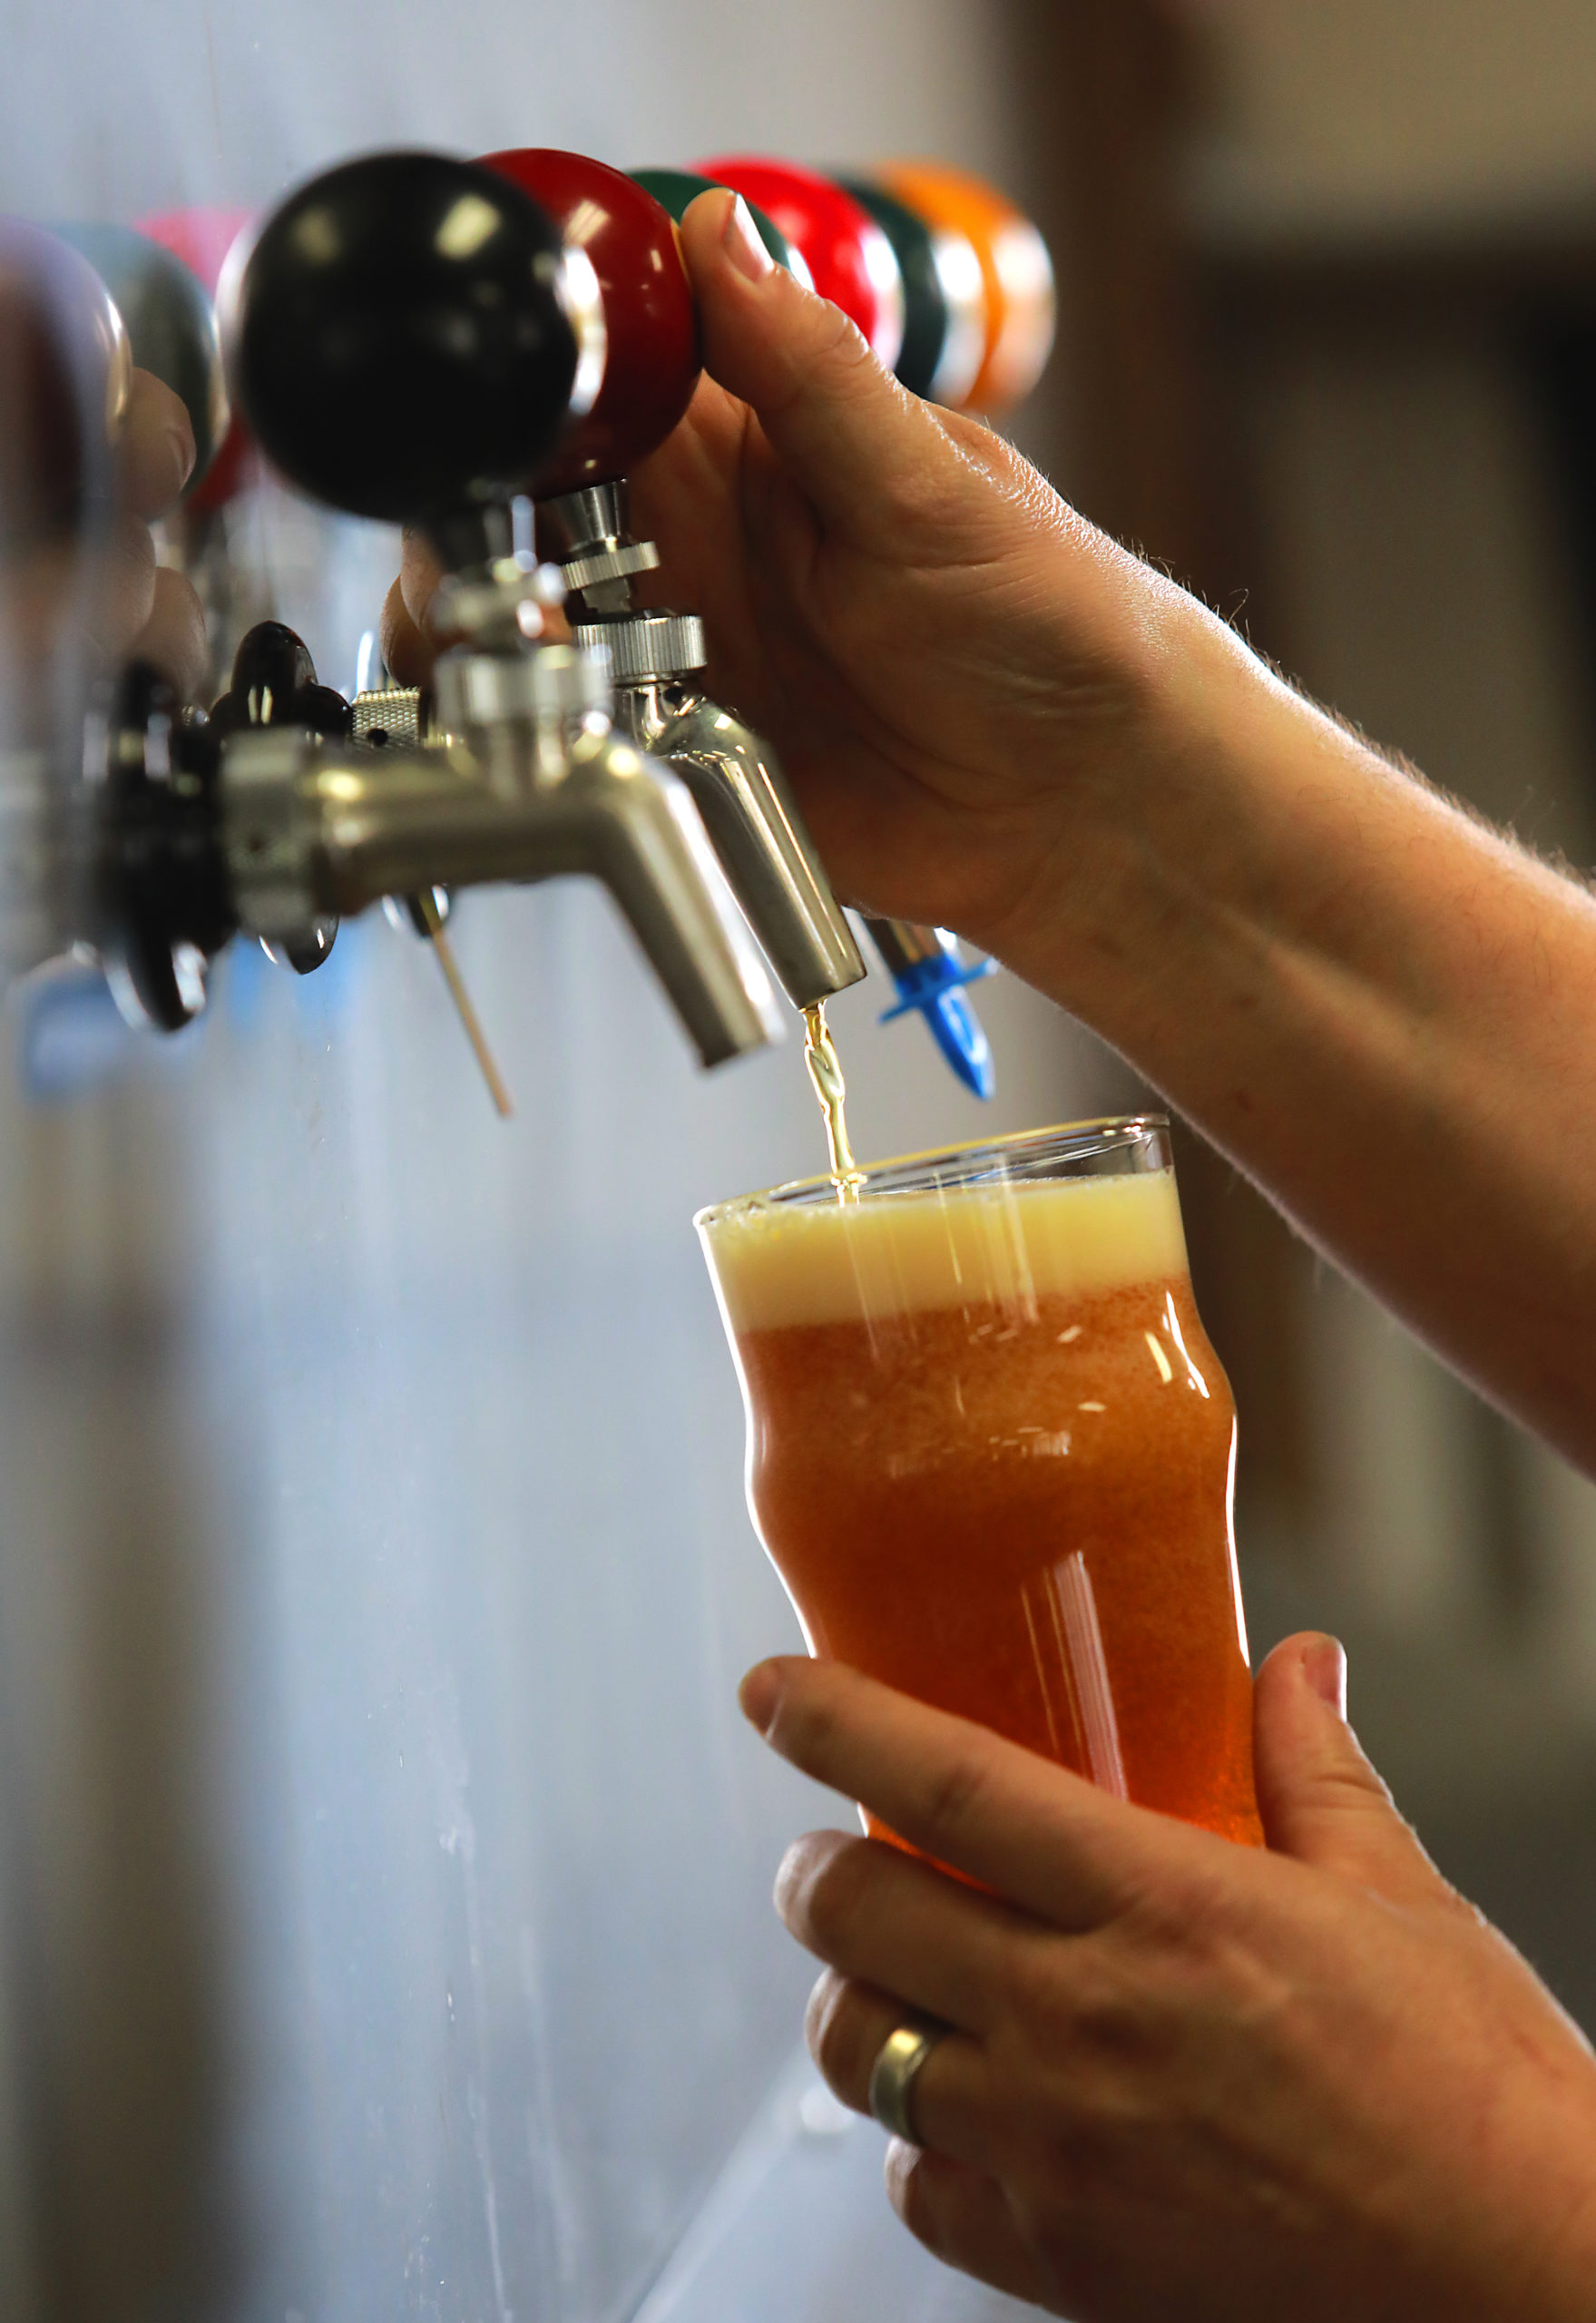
(849, 257)
(651, 360)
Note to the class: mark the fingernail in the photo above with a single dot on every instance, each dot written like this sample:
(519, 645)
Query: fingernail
(743, 247)
(759, 1696)
(183, 447)
(1323, 1665)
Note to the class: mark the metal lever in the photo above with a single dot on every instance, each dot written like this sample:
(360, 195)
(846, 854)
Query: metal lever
(743, 794)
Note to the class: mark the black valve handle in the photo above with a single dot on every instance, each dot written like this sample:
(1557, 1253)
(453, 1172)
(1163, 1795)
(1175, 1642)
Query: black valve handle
(164, 900)
(274, 683)
(399, 342)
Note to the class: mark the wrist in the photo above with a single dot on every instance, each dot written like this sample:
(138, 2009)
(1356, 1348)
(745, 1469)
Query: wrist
(1159, 838)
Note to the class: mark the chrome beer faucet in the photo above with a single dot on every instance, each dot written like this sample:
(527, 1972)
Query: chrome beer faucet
(733, 773)
(525, 779)
(734, 777)
(743, 794)
(628, 246)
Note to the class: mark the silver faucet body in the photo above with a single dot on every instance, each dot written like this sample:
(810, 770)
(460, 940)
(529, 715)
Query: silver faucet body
(528, 780)
(734, 776)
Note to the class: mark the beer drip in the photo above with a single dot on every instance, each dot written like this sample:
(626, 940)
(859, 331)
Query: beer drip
(826, 1073)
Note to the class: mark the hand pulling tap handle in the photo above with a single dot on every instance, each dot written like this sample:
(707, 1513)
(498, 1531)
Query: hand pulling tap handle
(653, 366)
(408, 339)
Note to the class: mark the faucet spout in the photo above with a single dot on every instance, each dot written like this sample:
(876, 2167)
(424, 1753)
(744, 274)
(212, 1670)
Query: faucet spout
(755, 826)
(642, 836)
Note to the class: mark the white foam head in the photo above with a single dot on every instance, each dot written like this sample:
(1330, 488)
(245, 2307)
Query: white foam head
(1006, 1245)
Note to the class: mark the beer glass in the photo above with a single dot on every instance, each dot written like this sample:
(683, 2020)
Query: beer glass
(990, 1452)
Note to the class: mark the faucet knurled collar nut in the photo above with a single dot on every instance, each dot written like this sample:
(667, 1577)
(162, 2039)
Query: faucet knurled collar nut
(648, 645)
(614, 564)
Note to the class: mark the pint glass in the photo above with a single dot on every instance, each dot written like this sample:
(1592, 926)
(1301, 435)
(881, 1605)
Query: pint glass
(990, 1452)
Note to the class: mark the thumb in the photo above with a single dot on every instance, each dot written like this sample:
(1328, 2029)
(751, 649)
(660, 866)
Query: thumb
(1320, 1798)
(860, 447)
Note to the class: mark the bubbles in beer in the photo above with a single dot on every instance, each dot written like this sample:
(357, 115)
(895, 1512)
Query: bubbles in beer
(826, 1073)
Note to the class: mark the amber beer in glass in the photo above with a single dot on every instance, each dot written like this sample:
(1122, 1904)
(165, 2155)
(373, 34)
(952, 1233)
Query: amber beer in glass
(990, 1452)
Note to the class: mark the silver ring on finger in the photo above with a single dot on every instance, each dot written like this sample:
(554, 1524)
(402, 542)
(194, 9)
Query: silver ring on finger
(892, 2076)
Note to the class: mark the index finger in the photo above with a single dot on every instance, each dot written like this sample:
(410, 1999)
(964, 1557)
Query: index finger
(1031, 1831)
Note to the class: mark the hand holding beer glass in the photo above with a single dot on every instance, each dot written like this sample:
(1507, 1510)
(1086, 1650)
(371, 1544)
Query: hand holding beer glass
(990, 1451)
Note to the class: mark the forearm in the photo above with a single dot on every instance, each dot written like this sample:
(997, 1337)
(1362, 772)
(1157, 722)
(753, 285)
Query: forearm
(1385, 1014)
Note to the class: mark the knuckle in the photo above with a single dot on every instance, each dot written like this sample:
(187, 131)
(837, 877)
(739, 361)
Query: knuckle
(1027, 1978)
(829, 1900)
(1113, 2021)
(1351, 1785)
(840, 344)
(838, 2035)
(956, 1796)
(804, 1725)
(912, 2194)
(1080, 2000)
(832, 359)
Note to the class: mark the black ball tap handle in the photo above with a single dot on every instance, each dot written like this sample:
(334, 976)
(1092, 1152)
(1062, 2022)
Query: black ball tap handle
(399, 340)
